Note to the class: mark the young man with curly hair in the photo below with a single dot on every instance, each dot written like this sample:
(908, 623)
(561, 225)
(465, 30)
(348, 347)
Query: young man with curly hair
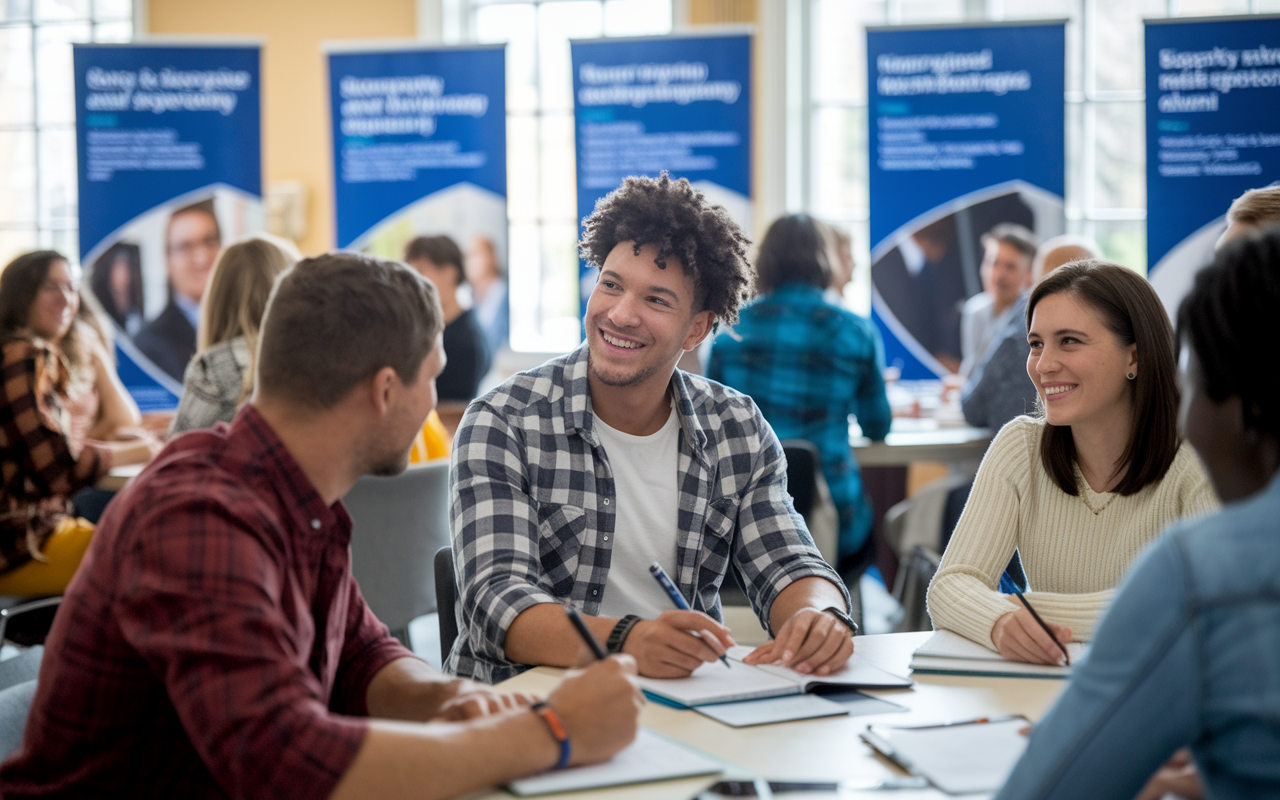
(570, 479)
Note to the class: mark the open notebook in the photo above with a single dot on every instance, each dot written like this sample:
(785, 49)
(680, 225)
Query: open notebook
(716, 683)
(950, 653)
(649, 758)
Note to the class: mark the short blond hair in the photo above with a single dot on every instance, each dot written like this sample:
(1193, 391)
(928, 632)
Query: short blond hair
(1257, 207)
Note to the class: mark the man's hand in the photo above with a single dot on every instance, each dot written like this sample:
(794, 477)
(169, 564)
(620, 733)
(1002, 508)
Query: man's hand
(600, 707)
(473, 700)
(1019, 637)
(667, 647)
(810, 642)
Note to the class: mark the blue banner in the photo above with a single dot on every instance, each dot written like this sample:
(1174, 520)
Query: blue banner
(966, 132)
(1213, 132)
(675, 103)
(420, 149)
(169, 142)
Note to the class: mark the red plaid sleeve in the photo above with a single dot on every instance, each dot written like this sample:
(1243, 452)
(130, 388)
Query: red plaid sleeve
(368, 648)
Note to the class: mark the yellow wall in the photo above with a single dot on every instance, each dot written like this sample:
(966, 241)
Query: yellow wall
(295, 109)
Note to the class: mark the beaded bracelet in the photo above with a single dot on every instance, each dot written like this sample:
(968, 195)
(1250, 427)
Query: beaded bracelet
(552, 719)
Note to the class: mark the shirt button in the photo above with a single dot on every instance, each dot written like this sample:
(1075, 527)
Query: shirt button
(595, 591)
(315, 524)
(606, 538)
(606, 501)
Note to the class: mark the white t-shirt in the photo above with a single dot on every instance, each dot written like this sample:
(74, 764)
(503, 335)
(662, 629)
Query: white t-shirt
(644, 475)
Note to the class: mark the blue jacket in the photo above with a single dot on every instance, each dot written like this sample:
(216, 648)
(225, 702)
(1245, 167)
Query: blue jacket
(1189, 654)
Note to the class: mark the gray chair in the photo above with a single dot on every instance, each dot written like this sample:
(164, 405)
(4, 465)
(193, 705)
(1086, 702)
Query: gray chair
(400, 523)
(15, 705)
(446, 599)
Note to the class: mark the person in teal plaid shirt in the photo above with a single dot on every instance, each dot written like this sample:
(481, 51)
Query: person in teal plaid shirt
(809, 364)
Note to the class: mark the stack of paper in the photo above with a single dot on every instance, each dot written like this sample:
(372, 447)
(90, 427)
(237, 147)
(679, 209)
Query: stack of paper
(950, 653)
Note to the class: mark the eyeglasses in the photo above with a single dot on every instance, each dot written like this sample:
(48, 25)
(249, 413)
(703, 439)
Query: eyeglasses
(210, 242)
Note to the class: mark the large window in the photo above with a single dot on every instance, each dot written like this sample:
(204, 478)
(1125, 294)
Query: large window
(541, 192)
(1105, 159)
(37, 115)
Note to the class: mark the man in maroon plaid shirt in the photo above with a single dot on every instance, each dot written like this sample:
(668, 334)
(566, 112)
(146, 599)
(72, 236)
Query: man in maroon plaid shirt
(214, 643)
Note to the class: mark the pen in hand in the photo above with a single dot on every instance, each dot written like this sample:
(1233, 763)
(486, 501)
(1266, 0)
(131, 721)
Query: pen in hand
(1018, 593)
(585, 633)
(660, 575)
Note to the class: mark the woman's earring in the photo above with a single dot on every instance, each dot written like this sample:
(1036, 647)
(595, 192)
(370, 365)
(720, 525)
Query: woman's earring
(1132, 376)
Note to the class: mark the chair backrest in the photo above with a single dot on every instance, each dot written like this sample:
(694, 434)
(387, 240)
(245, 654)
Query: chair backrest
(446, 599)
(803, 463)
(919, 520)
(811, 495)
(15, 705)
(400, 523)
(911, 588)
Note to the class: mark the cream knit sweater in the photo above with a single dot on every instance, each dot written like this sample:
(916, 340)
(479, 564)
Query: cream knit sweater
(1074, 550)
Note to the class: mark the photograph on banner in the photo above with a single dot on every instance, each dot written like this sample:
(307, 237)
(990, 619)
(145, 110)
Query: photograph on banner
(149, 277)
(169, 173)
(1213, 133)
(676, 103)
(420, 170)
(967, 139)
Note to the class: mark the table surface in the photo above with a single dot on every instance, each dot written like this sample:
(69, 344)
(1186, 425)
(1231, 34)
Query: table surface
(822, 749)
(924, 439)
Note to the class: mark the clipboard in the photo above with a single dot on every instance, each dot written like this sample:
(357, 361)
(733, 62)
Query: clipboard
(961, 757)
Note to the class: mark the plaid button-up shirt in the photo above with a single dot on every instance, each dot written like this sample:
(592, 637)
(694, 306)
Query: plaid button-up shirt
(809, 364)
(534, 507)
(213, 642)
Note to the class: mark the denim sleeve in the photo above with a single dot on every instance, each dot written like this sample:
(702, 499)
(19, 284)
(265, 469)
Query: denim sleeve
(1133, 700)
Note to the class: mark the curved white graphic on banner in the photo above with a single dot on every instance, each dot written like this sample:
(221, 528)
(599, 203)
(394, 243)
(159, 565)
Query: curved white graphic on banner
(1046, 206)
(1173, 275)
(1049, 222)
(463, 211)
(239, 214)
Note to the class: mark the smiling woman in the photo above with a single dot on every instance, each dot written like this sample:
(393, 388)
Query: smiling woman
(1079, 491)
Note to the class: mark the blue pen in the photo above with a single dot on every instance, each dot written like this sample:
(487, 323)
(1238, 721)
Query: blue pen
(660, 575)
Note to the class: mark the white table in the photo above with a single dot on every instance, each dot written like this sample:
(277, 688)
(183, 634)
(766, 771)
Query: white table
(922, 439)
(823, 749)
(116, 479)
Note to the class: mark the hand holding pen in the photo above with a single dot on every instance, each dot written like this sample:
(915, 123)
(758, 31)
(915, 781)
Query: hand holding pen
(660, 575)
(1022, 635)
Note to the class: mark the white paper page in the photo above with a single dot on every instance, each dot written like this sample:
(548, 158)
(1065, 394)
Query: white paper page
(649, 758)
(772, 709)
(715, 683)
(959, 758)
(945, 644)
(857, 671)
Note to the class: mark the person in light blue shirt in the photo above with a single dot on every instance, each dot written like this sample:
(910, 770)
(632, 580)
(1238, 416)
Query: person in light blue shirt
(809, 364)
(1189, 653)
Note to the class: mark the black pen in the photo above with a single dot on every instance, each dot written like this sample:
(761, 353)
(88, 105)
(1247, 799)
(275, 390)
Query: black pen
(1036, 617)
(585, 633)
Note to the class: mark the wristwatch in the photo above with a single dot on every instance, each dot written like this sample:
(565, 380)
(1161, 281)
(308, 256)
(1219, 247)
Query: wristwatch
(618, 636)
(844, 618)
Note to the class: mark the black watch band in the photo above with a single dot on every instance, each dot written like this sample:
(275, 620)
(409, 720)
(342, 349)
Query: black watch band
(845, 619)
(618, 636)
